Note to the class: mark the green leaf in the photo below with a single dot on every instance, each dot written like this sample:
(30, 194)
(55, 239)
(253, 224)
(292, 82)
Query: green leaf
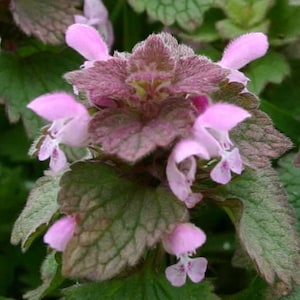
(24, 78)
(188, 14)
(247, 13)
(229, 30)
(117, 219)
(273, 67)
(47, 20)
(264, 222)
(146, 285)
(39, 210)
(289, 175)
(51, 276)
(285, 22)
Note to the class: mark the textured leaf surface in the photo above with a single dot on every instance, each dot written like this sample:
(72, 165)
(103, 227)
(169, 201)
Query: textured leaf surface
(257, 138)
(188, 14)
(117, 219)
(51, 276)
(290, 177)
(265, 223)
(24, 78)
(271, 68)
(141, 286)
(40, 208)
(47, 20)
(127, 135)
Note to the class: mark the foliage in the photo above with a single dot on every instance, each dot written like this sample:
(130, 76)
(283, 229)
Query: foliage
(118, 192)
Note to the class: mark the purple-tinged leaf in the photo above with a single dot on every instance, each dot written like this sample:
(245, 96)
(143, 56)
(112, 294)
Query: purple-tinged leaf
(197, 74)
(117, 219)
(47, 20)
(104, 79)
(131, 137)
(265, 223)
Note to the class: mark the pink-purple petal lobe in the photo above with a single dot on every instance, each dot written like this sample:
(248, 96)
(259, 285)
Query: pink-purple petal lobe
(244, 49)
(196, 269)
(221, 116)
(59, 234)
(56, 106)
(58, 160)
(235, 161)
(87, 41)
(176, 274)
(221, 172)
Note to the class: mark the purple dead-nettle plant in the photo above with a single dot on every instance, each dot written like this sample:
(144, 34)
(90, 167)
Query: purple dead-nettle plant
(152, 111)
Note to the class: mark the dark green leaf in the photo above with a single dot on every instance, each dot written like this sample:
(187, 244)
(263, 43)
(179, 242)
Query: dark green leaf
(39, 210)
(51, 276)
(290, 177)
(273, 67)
(24, 78)
(146, 285)
(265, 223)
(117, 219)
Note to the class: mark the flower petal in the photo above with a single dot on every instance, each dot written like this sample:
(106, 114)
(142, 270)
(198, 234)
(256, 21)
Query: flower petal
(176, 274)
(58, 160)
(46, 148)
(95, 9)
(222, 116)
(197, 268)
(235, 161)
(244, 49)
(59, 234)
(56, 106)
(87, 41)
(185, 238)
(221, 172)
(188, 147)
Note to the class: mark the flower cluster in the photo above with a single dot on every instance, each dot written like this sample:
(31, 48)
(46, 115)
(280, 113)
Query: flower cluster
(156, 100)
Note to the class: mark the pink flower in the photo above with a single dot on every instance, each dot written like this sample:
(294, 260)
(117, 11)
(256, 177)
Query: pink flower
(194, 268)
(183, 242)
(242, 51)
(95, 14)
(181, 170)
(87, 41)
(69, 126)
(59, 234)
(210, 138)
(185, 238)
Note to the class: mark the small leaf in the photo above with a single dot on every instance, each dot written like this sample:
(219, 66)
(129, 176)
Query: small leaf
(47, 20)
(188, 14)
(51, 276)
(229, 30)
(265, 223)
(290, 177)
(141, 286)
(117, 219)
(128, 136)
(17, 75)
(247, 13)
(273, 67)
(39, 210)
